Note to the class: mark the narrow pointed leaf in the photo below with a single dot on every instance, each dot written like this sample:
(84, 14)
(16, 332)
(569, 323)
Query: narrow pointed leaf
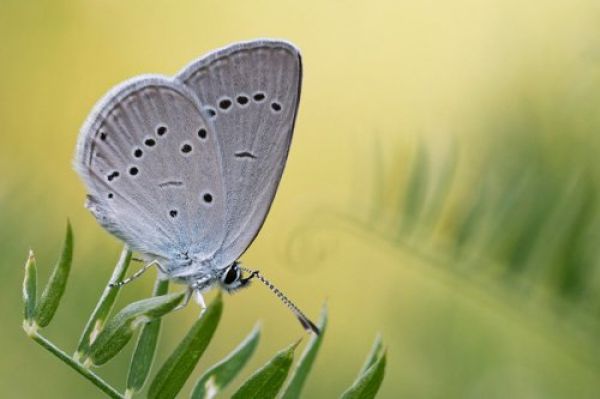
(416, 190)
(104, 306)
(143, 355)
(120, 328)
(30, 288)
(221, 374)
(367, 384)
(300, 373)
(55, 288)
(441, 188)
(373, 355)
(266, 381)
(177, 368)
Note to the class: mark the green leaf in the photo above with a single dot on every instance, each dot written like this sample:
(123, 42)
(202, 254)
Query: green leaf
(416, 191)
(56, 284)
(440, 188)
(300, 373)
(120, 328)
(103, 308)
(266, 381)
(373, 355)
(30, 288)
(368, 383)
(177, 368)
(143, 355)
(221, 374)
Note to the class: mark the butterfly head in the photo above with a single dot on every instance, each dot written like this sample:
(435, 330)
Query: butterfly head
(231, 278)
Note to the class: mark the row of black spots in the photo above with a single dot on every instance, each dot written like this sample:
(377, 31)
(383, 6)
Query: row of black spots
(242, 100)
(160, 131)
(149, 142)
(186, 148)
(259, 97)
(133, 171)
(207, 197)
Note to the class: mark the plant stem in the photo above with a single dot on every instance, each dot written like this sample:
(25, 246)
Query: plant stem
(91, 376)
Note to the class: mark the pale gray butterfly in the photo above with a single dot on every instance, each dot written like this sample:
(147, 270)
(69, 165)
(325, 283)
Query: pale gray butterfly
(184, 169)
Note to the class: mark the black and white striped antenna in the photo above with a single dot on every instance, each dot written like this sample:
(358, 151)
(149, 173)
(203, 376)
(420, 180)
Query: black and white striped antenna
(305, 321)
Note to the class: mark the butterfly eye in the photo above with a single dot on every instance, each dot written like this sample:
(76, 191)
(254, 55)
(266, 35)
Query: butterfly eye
(232, 275)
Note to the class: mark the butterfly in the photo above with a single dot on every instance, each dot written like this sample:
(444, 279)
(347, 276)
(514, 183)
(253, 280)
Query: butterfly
(184, 169)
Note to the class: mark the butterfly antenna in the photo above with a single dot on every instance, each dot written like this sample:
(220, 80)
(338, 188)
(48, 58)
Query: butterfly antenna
(305, 321)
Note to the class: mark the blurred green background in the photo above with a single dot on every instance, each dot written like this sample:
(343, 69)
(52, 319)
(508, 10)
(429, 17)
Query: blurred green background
(442, 187)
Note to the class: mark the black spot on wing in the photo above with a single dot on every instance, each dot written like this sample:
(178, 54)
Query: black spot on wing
(245, 154)
(171, 183)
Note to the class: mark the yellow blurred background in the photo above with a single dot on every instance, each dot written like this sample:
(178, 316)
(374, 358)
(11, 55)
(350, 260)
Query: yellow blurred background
(425, 128)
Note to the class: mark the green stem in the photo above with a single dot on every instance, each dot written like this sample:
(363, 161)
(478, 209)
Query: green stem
(92, 377)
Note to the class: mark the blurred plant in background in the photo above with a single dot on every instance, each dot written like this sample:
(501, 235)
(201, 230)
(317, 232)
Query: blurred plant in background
(522, 226)
(442, 187)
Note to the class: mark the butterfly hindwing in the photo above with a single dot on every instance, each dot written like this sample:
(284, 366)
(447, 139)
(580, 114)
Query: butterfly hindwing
(151, 164)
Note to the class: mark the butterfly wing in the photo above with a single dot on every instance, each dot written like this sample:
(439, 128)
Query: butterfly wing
(151, 164)
(250, 91)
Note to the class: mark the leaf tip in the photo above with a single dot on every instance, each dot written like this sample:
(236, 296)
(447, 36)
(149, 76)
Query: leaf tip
(218, 297)
(30, 287)
(211, 387)
(69, 232)
(293, 346)
(30, 264)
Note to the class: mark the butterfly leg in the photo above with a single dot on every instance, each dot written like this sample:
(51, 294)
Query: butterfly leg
(186, 299)
(134, 275)
(200, 299)
(192, 290)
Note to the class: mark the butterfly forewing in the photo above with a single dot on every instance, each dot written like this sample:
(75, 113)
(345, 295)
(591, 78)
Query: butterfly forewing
(151, 163)
(250, 91)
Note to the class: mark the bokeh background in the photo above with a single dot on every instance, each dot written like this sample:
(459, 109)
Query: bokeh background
(442, 187)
